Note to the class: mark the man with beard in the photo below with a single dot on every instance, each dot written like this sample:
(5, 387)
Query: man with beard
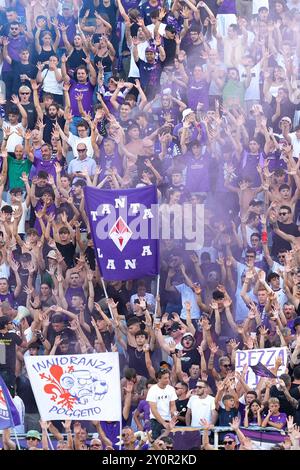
(50, 119)
(201, 405)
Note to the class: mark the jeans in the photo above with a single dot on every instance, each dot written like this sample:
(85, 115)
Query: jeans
(156, 428)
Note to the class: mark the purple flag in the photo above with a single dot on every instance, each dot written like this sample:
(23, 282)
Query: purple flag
(9, 415)
(124, 227)
(262, 371)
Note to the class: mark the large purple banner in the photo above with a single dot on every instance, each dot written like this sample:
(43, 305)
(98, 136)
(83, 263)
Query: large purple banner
(124, 227)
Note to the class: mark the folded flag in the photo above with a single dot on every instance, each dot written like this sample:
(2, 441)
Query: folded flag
(124, 227)
(262, 371)
(9, 415)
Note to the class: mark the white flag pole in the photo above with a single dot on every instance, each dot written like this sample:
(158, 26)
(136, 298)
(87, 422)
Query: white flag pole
(157, 293)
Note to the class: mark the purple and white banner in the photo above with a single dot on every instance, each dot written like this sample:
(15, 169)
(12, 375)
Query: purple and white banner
(78, 387)
(252, 357)
(124, 227)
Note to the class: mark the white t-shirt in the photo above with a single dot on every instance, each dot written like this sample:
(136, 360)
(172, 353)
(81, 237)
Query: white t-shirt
(187, 294)
(74, 140)
(161, 29)
(4, 270)
(296, 145)
(14, 139)
(50, 83)
(134, 70)
(257, 4)
(253, 91)
(21, 226)
(201, 408)
(19, 404)
(162, 397)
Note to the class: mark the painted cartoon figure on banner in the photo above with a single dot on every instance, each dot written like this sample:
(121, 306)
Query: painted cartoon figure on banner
(82, 385)
(72, 387)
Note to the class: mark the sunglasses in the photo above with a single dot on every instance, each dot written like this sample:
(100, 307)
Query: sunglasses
(227, 365)
(169, 447)
(31, 439)
(81, 150)
(228, 443)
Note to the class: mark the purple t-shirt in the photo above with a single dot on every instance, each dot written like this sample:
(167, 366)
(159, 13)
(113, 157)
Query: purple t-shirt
(14, 48)
(197, 173)
(71, 31)
(74, 291)
(281, 418)
(9, 297)
(87, 90)
(45, 165)
(112, 431)
(227, 7)
(198, 93)
(50, 210)
(144, 408)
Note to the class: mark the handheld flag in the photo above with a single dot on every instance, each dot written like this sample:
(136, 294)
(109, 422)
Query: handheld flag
(262, 371)
(9, 415)
(124, 227)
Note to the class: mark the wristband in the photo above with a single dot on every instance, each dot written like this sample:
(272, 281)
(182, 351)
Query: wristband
(264, 237)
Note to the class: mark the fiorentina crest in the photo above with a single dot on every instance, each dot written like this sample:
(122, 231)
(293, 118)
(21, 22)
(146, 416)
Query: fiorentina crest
(120, 234)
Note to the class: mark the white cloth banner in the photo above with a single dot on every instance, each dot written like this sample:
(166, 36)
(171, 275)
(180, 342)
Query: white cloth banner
(267, 357)
(76, 387)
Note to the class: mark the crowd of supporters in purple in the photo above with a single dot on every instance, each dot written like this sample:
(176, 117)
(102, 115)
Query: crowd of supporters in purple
(203, 101)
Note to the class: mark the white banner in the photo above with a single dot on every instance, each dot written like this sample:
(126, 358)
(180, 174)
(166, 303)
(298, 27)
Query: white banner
(267, 357)
(78, 387)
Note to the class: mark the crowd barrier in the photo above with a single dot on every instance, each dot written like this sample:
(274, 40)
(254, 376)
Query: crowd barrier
(189, 438)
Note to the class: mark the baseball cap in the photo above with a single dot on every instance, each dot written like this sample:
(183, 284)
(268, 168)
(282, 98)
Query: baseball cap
(150, 49)
(186, 112)
(52, 254)
(231, 436)
(34, 434)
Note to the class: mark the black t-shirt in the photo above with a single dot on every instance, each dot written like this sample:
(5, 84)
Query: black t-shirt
(295, 393)
(68, 252)
(31, 115)
(285, 406)
(136, 359)
(122, 296)
(76, 59)
(49, 125)
(281, 244)
(22, 69)
(24, 391)
(170, 50)
(10, 341)
(188, 358)
(181, 407)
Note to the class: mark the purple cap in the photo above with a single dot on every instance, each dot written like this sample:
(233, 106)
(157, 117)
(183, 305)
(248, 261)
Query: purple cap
(230, 436)
(150, 49)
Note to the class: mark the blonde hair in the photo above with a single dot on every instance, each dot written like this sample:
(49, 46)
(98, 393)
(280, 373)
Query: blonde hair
(273, 401)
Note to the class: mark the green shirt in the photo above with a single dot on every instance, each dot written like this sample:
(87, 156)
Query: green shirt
(15, 170)
(234, 93)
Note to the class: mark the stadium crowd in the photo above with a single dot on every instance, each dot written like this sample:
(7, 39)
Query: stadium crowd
(203, 101)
